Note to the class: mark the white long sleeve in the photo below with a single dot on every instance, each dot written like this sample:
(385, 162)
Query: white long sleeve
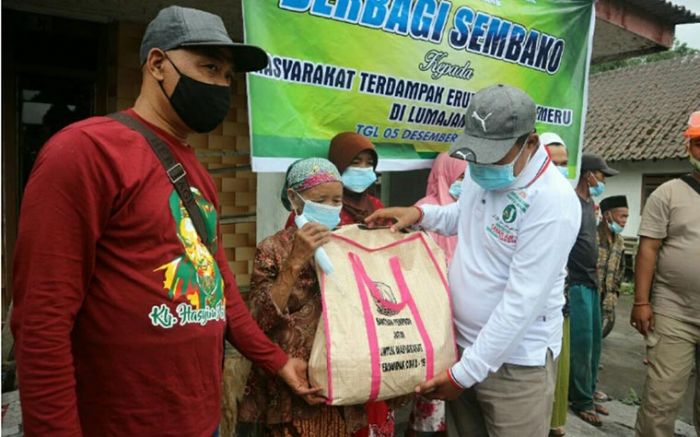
(544, 241)
(441, 219)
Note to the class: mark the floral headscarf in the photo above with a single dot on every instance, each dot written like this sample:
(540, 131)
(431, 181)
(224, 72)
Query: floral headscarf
(308, 173)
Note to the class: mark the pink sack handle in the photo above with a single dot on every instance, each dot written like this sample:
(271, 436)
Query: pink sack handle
(391, 306)
(425, 338)
(362, 280)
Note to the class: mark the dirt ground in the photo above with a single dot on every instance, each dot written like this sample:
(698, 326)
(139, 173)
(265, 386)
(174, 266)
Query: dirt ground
(623, 352)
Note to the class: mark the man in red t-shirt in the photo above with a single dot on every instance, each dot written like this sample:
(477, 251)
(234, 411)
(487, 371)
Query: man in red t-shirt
(120, 310)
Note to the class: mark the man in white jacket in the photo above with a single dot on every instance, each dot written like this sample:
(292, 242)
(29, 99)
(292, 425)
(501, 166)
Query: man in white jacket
(516, 221)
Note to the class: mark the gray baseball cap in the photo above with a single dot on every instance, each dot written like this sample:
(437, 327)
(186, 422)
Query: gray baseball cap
(495, 118)
(175, 27)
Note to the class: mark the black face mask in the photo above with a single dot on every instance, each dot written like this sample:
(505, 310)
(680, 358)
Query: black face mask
(201, 106)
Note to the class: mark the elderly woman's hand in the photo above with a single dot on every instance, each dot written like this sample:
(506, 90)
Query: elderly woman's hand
(307, 239)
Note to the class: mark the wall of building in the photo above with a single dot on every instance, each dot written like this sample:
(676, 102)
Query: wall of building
(271, 214)
(629, 183)
(227, 147)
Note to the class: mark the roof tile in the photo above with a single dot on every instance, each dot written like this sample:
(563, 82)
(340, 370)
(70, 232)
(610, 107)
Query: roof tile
(640, 112)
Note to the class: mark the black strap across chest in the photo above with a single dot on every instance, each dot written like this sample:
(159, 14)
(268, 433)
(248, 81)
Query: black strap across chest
(174, 170)
(690, 180)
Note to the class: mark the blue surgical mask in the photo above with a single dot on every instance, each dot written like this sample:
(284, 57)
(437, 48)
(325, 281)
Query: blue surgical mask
(494, 177)
(358, 179)
(456, 189)
(327, 215)
(564, 170)
(598, 189)
(614, 227)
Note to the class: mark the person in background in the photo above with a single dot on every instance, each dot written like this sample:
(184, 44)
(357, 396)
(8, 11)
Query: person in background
(584, 299)
(667, 294)
(557, 151)
(611, 247)
(356, 159)
(560, 158)
(285, 300)
(120, 308)
(444, 187)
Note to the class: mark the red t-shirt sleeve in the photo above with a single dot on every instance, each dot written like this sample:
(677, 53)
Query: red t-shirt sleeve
(242, 330)
(66, 205)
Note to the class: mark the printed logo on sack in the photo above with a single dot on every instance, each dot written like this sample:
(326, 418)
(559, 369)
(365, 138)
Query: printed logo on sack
(388, 295)
(509, 213)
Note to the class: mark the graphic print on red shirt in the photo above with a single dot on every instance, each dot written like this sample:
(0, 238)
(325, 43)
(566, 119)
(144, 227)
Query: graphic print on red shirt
(194, 274)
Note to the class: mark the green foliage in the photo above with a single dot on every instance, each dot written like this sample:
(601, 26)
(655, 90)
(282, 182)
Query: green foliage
(627, 288)
(632, 398)
(678, 49)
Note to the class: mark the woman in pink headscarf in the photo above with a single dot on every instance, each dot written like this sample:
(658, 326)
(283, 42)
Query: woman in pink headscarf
(444, 186)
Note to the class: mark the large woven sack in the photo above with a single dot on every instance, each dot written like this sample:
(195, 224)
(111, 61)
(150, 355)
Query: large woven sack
(387, 318)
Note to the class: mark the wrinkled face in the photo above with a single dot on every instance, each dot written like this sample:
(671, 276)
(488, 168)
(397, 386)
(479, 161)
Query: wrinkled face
(330, 194)
(363, 159)
(559, 155)
(619, 215)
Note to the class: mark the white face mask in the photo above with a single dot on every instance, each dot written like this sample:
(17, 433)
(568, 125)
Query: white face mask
(358, 179)
(615, 227)
(496, 176)
(327, 215)
(456, 189)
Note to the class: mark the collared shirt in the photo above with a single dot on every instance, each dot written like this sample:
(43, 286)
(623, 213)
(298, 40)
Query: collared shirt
(507, 275)
(610, 266)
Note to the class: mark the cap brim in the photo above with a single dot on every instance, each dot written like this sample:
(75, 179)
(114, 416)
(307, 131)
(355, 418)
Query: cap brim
(692, 132)
(607, 171)
(245, 57)
(480, 150)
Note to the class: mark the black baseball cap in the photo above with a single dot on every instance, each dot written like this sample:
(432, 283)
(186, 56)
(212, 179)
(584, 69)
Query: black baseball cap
(593, 162)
